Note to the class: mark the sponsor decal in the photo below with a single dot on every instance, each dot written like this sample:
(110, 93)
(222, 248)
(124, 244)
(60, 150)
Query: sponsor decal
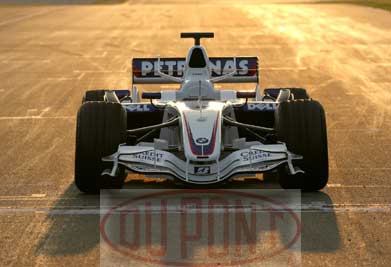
(202, 140)
(147, 67)
(149, 156)
(202, 170)
(221, 67)
(196, 227)
(260, 107)
(254, 155)
(140, 108)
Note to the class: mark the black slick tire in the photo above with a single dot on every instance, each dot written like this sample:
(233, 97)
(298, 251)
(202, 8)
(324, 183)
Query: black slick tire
(101, 127)
(301, 124)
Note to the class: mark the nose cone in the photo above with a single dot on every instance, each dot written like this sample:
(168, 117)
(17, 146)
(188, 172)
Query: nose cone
(201, 131)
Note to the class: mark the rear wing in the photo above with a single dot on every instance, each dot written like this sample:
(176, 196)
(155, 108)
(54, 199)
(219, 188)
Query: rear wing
(145, 69)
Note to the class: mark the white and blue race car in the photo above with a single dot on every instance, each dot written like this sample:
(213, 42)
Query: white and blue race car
(198, 134)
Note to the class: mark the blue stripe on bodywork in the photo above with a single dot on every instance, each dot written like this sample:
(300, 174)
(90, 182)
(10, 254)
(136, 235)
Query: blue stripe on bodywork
(122, 93)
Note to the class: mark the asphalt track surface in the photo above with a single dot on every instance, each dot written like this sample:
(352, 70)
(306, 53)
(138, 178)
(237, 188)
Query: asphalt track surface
(50, 54)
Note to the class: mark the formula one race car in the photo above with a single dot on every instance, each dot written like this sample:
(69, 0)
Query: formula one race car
(197, 134)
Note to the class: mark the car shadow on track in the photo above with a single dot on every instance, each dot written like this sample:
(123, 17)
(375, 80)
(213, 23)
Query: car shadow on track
(71, 233)
(74, 222)
(319, 228)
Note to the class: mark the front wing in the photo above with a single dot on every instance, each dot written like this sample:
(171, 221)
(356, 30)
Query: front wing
(147, 160)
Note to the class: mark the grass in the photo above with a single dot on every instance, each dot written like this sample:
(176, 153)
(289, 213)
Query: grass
(110, 2)
(382, 4)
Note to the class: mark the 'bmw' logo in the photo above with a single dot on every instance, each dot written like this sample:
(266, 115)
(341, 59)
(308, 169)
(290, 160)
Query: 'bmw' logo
(202, 140)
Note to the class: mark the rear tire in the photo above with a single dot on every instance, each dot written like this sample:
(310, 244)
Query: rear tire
(296, 93)
(93, 95)
(101, 127)
(299, 93)
(301, 124)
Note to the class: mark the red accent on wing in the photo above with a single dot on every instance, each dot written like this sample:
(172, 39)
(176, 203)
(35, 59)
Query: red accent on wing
(252, 70)
(136, 71)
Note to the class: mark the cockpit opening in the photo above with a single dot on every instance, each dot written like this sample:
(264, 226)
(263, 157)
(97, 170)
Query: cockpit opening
(197, 59)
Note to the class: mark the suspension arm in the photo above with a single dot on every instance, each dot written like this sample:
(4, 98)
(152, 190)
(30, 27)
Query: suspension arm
(173, 122)
(231, 122)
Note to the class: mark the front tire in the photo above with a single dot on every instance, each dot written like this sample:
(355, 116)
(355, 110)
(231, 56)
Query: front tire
(301, 124)
(101, 127)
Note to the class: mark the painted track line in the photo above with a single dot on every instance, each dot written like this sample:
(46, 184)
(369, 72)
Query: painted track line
(95, 210)
(26, 17)
(37, 118)
(357, 186)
